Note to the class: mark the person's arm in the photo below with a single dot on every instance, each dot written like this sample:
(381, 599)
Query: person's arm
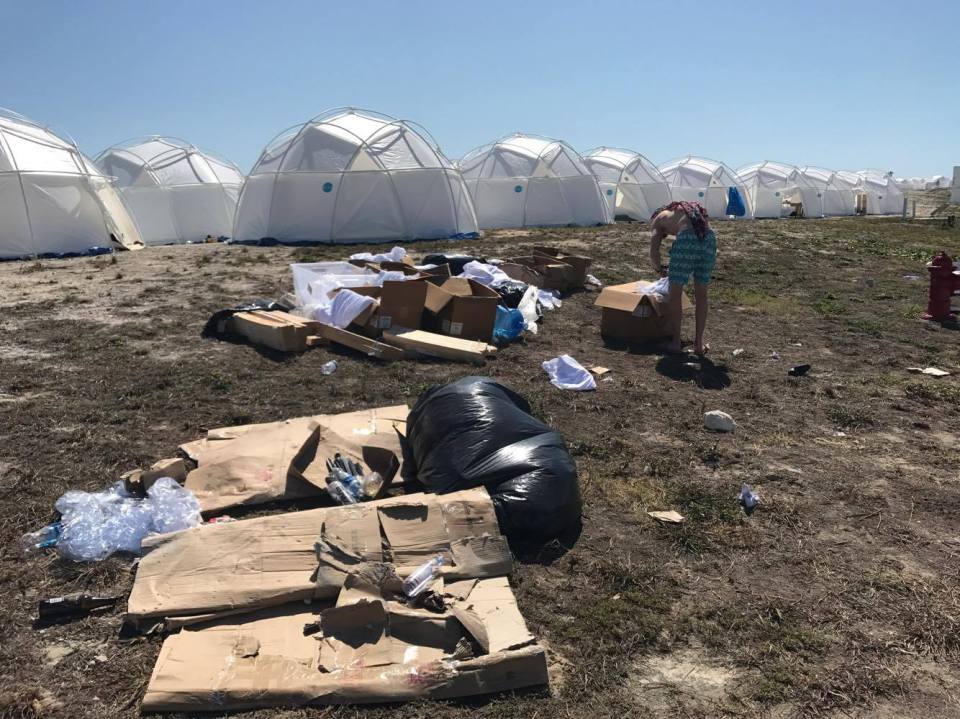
(656, 239)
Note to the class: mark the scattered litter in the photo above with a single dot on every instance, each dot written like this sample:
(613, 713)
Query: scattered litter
(718, 421)
(549, 299)
(397, 254)
(695, 366)
(739, 351)
(328, 367)
(839, 434)
(43, 538)
(607, 379)
(932, 371)
(799, 370)
(911, 277)
(529, 309)
(489, 275)
(670, 517)
(222, 519)
(566, 373)
(593, 281)
(659, 289)
(97, 524)
(796, 344)
(599, 371)
(748, 499)
(775, 355)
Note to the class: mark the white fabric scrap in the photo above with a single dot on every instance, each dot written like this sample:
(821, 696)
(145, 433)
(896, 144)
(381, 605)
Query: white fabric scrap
(345, 307)
(566, 373)
(659, 289)
(549, 299)
(485, 274)
(528, 308)
(397, 254)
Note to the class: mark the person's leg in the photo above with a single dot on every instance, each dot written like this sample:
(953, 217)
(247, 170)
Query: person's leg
(700, 294)
(676, 317)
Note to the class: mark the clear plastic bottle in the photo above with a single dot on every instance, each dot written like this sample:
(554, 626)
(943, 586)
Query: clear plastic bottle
(340, 494)
(422, 577)
(371, 484)
(44, 538)
(329, 367)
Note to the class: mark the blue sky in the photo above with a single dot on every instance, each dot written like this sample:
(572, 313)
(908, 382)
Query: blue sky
(840, 84)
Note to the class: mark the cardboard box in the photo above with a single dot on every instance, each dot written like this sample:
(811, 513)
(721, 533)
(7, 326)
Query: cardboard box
(399, 304)
(277, 330)
(579, 263)
(369, 650)
(266, 561)
(555, 274)
(461, 308)
(432, 344)
(628, 314)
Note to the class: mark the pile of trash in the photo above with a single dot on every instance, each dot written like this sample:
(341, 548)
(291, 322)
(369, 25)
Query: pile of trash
(386, 306)
(378, 595)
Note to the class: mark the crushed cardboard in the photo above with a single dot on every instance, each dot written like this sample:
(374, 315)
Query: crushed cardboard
(260, 562)
(431, 344)
(369, 651)
(277, 330)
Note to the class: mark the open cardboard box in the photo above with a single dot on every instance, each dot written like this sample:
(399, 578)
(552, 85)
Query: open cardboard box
(461, 307)
(551, 273)
(630, 315)
(399, 304)
(579, 263)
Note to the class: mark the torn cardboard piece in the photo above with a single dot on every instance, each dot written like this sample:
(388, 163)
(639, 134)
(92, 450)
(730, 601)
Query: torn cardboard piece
(668, 517)
(370, 651)
(275, 329)
(461, 307)
(431, 344)
(265, 561)
(627, 313)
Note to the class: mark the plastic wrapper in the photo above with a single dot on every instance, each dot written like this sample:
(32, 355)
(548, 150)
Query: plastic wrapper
(512, 293)
(475, 432)
(530, 309)
(566, 373)
(508, 325)
(97, 524)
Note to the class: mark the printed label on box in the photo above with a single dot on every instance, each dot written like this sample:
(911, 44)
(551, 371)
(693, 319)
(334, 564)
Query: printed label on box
(456, 328)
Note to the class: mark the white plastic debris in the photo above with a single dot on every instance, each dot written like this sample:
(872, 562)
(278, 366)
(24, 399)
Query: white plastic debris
(528, 308)
(593, 281)
(397, 254)
(345, 307)
(549, 299)
(659, 289)
(97, 524)
(566, 373)
(739, 351)
(932, 371)
(748, 499)
(719, 421)
(328, 367)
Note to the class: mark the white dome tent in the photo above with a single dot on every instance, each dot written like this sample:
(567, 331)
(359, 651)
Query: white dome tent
(528, 181)
(630, 183)
(770, 184)
(697, 179)
(837, 195)
(353, 175)
(53, 200)
(883, 195)
(176, 192)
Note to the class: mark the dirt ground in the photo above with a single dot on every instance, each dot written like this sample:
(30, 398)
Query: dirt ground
(838, 597)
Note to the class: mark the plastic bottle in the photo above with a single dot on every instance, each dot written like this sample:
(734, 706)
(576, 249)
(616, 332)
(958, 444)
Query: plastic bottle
(422, 577)
(44, 538)
(340, 494)
(371, 484)
(329, 368)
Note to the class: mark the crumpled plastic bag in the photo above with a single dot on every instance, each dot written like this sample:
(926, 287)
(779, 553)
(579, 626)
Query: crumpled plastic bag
(549, 299)
(345, 307)
(97, 524)
(489, 275)
(529, 309)
(566, 373)
(508, 326)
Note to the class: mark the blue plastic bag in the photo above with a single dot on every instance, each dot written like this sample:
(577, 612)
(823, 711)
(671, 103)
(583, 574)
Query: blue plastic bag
(735, 204)
(508, 326)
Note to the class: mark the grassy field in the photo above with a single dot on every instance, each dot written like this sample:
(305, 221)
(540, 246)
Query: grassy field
(838, 597)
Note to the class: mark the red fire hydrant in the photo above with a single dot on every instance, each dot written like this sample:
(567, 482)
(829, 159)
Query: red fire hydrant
(944, 283)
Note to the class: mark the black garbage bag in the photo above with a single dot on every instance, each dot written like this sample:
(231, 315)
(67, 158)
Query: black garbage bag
(475, 432)
(456, 262)
(511, 293)
(216, 326)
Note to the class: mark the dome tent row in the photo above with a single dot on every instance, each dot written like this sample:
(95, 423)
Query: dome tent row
(53, 200)
(837, 196)
(352, 175)
(176, 192)
(697, 179)
(883, 197)
(526, 180)
(631, 185)
(771, 184)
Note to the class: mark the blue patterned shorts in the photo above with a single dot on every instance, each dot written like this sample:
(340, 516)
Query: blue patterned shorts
(689, 255)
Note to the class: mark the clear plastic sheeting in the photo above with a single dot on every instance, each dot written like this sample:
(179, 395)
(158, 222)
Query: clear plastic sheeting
(566, 373)
(176, 192)
(320, 289)
(343, 309)
(485, 274)
(697, 179)
(353, 176)
(632, 186)
(524, 180)
(97, 524)
(397, 254)
(53, 200)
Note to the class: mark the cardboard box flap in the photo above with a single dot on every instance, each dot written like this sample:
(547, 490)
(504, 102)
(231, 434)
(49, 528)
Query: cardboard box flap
(617, 298)
(366, 421)
(481, 556)
(491, 616)
(355, 635)
(414, 532)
